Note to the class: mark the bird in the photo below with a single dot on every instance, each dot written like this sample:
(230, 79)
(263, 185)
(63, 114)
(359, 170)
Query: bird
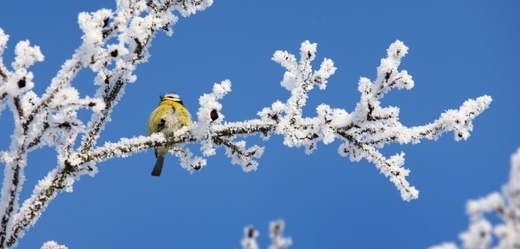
(168, 117)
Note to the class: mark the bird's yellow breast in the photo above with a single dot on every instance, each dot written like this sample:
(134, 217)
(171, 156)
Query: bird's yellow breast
(174, 114)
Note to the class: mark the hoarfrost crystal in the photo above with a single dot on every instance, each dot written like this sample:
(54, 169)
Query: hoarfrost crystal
(114, 42)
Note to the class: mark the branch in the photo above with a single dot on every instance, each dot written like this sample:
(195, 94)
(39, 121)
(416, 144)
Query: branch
(504, 205)
(52, 119)
(363, 132)
(278, 241)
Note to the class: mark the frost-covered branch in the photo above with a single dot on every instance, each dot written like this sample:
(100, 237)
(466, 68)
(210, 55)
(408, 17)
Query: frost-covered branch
(506, 205)
(114, 43)
(368, 128)
(278, 241)
(52, 245)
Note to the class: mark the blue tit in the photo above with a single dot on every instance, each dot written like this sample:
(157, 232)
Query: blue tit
(168, 117)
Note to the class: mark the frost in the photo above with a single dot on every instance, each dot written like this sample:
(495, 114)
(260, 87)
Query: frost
(115, 42)
(446, 245)
(52, 245)
(249, 240)
(20, 80)
(26, 55)
(506, 205)
(362, 132)
(278, 241)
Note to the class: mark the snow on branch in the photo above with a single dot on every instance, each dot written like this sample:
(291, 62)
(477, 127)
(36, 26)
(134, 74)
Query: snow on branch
(506, 205)
(362, 132)
(52, 245)
(114, 43)
(278, 241)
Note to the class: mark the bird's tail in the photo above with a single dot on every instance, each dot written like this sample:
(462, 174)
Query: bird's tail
(157, 168)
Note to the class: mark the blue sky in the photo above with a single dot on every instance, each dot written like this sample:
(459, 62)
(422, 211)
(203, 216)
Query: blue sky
(457, 51)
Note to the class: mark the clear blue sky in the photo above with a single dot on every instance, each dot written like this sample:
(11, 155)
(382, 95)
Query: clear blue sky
(458, 50)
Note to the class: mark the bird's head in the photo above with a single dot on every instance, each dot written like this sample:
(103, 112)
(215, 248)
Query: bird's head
(172, 96)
